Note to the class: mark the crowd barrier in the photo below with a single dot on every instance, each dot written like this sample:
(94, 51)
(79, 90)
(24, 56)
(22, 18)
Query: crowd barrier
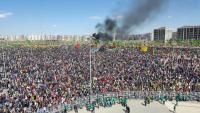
(155, 95)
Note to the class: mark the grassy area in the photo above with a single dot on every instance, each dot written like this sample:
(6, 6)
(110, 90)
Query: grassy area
(116, 43)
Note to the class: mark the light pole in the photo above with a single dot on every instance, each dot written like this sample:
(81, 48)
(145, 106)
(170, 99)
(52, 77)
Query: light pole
(4, 65)
(3, 56)
(92, 51)
(90, 68)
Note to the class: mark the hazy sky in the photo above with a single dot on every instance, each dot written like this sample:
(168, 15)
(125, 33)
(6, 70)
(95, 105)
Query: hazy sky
(81, 16)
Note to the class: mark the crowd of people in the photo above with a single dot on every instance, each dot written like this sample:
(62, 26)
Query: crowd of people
(38, 78)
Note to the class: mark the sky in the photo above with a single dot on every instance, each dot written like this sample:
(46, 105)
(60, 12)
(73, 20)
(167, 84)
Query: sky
(79, 17)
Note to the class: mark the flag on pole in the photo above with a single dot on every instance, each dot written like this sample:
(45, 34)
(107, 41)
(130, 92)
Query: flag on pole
(77, 45)
(144, 49)
(28, 42)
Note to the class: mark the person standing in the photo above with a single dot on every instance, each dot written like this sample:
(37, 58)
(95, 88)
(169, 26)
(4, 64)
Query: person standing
(175, 108)
(65, 109)
(75, 108)
(145, 101)
(127, 109)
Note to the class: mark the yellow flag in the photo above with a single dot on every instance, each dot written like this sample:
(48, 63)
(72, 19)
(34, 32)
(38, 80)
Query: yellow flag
(144, 49)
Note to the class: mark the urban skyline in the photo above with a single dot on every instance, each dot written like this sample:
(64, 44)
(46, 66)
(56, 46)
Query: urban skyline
(161, 33)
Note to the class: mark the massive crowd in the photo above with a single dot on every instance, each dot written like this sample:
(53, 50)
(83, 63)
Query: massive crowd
(38, 78)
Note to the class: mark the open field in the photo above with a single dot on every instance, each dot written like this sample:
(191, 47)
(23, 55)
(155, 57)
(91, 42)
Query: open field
(136, 106)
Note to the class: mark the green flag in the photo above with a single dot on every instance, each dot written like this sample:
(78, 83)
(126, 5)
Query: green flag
(28, 42)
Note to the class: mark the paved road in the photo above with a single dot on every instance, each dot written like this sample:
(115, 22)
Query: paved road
(136, 106)
(185, 107)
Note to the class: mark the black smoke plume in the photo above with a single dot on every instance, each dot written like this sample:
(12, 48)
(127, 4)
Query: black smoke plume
(138, 12)
(110, 25)
(105, 30)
